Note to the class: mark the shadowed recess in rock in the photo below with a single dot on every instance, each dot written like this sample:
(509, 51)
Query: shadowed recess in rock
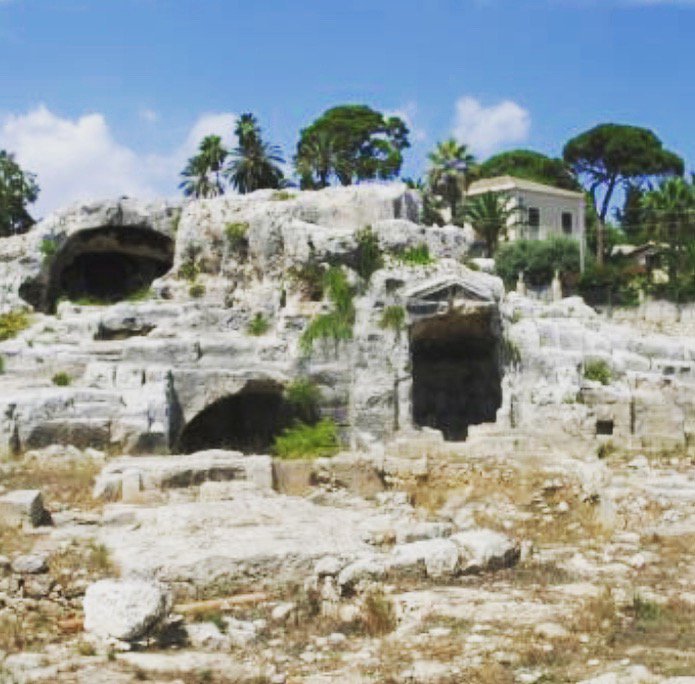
(101, 265)
(456, 372)
(247, 422)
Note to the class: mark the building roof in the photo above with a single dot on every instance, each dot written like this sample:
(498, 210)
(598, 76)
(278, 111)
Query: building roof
(507, 183)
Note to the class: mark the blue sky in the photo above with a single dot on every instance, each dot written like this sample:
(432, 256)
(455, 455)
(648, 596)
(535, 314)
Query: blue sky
(109, 97)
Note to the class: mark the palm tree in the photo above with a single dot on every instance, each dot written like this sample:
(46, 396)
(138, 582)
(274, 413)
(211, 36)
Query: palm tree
(490, 215)
(319, 155)
(201, 177)
(255, 163)
(669, 216)
(215, 154)
(449, 174)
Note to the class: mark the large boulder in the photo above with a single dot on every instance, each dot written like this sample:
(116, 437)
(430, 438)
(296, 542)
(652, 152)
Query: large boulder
(439, 557)
(126, 610)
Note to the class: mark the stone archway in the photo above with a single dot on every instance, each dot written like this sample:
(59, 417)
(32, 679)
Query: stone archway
(246, 421)
(106, 264)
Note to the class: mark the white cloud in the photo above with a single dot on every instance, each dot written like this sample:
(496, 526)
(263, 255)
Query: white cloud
(487, 129)
(148, 115)
(79, 159)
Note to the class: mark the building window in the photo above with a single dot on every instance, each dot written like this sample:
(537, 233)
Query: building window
(567, 222)
(534, 221)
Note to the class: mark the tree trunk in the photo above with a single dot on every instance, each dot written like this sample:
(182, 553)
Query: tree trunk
(600, 241)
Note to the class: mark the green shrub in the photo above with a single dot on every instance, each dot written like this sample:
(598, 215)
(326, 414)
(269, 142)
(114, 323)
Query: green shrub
(304, 397)
(335, 325)
(598, 370)
(416, 256)
(12, 323)
(369, 256)
(2, 365)
(538, 259)
(197, 290)
(308, 441)
(393, 318)
(61, 379)
(237, 237)
(258, 325)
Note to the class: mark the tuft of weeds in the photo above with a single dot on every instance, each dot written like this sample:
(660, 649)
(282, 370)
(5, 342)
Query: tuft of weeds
(282, 196)
(216, 617)
(369, 256)
(237, 238)
(61, 379)
(393, 318)
(258, 325)
(197, 290)
(12, 323)
(416, 256)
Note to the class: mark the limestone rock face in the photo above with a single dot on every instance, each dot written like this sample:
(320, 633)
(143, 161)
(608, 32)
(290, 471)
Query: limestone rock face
(126, 610)
(146, 308)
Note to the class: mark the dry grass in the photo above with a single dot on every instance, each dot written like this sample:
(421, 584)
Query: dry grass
(378, 613)
(90, 558)
(13, 541)
(67, 482)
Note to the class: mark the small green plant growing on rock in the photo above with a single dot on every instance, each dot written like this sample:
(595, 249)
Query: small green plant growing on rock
(190, 266)
(599, 371)
(369, 256)
(12, 323)
(309, 278)
(304, 397)
(416, 256)
(302, 441)
(282, 196)
(197, 290)
(237, 238)
(337, 324)
(393, 318)
(48, 248)
(258, 325)
(61, 379)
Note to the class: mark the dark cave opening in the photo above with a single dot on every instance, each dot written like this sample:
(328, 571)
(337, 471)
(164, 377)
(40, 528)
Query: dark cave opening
(457, 372)
(101, 265)
(248, 422)
(108, 276)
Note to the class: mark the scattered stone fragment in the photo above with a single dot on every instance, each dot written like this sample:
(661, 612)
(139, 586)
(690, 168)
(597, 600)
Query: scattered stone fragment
(30, 564)
(23, 506)
(124, 609)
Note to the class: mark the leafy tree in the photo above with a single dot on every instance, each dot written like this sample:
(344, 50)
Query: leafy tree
(201, 176)
(669, 216)
(538, 259)
(255, 163)
(630, 215)
(18, 189)
(490, 214)
(611, 155)
(350, 143)
(531, 165)
(449, 173)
